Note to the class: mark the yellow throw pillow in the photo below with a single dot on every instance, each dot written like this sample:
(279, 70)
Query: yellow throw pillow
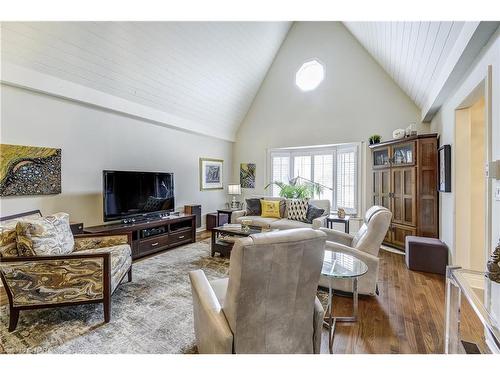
(270, 209)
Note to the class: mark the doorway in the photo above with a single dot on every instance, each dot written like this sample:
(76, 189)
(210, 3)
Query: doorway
(470, 156)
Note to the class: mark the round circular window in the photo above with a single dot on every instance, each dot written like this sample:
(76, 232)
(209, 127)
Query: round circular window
(310, 75)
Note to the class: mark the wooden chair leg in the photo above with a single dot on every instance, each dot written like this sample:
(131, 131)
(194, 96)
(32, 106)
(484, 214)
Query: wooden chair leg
(130, 275)
(107, 310)
(13, 319)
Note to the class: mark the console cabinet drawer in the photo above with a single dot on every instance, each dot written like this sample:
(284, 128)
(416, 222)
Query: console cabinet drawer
(185, 235)
(151, 244)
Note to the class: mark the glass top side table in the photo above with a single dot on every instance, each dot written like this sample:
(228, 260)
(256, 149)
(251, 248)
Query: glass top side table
(484, 297)
(338, 265)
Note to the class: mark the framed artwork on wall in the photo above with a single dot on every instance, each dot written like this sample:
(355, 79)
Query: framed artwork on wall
(211, 174)
(444, 167)
(247, 175)
(29, 170)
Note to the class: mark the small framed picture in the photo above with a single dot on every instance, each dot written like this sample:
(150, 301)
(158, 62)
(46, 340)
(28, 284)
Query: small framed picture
(444, 155)
(211, 174)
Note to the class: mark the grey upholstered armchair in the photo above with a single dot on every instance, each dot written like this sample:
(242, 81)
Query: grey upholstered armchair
(365, 246)
(268, 304)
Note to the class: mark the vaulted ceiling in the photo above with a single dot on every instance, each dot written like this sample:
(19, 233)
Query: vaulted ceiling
(203, 76)
(413, 53)
(426, 59)
(205, 73)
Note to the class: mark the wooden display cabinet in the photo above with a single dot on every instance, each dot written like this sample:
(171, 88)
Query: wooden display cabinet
(405, 182)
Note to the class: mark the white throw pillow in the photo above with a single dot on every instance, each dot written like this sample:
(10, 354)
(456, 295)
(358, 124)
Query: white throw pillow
(297, 209)
(48, 235)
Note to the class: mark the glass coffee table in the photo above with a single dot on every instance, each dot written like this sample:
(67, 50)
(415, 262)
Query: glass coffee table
(338, 265)
(223, 237)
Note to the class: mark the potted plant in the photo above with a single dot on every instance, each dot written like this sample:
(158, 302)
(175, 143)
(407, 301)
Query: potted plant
(297, 190)
(374, 139)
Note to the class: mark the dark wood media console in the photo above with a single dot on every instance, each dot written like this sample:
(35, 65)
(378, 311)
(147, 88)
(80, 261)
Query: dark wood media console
(153, 235)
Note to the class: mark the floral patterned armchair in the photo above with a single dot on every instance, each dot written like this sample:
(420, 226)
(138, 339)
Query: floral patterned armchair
(88, 273)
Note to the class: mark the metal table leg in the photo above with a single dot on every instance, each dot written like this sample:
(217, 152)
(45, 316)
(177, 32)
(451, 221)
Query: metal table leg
(330, 321)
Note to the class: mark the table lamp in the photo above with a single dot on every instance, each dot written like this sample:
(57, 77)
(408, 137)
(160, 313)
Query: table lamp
(234, 190)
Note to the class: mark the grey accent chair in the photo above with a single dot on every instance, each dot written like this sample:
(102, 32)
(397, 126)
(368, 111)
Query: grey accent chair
(268, 304)
(365, 246)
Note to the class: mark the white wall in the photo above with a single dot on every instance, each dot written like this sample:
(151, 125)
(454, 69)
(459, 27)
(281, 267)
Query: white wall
(444, 123)
(356, 99)
(93, 139)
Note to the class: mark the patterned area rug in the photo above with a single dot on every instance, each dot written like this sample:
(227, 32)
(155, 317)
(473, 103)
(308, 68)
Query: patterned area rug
(153, 314)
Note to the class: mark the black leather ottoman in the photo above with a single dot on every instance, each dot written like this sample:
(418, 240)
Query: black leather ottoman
(426, 254)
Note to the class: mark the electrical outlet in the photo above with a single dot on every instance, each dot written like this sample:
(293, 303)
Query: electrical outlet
(497, 191)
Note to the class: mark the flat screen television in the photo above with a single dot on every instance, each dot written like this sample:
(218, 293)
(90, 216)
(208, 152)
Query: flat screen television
(127, 194)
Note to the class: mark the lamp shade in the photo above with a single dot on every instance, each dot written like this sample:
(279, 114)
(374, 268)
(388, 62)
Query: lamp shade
(234, 189)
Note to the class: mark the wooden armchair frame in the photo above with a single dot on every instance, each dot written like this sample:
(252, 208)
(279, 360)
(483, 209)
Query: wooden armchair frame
(106, 276)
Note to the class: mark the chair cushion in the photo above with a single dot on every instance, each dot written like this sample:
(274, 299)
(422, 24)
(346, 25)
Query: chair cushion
(297, 209)
(289, 224)
(47, 235)
(259, 221)
(121, 259)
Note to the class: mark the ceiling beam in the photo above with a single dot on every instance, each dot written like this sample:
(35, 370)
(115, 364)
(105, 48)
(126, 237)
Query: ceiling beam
(18, 76)
(471, 40)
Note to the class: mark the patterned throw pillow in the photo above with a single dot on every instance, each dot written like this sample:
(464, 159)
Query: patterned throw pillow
(253, 207)
(313, 212)
(24, 244)
(8, 247)
(297, 209)
(270, 209)
(48, 235)
(8, 235)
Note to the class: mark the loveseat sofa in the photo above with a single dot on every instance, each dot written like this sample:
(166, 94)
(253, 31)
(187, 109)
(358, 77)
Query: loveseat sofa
(283, 222)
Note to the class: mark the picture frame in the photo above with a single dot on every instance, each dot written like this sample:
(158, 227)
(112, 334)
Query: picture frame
(444, 168)
(211, 174)
(247, 175)
(29, 170)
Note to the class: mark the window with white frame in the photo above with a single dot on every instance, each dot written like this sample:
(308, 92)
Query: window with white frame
(335, 167)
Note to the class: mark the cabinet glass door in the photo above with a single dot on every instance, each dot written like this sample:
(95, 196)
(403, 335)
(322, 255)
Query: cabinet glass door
(403, 154)
(381, 157)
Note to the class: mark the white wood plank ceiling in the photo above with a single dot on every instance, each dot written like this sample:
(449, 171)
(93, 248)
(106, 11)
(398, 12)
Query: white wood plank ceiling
(204, 72)
(412, 53)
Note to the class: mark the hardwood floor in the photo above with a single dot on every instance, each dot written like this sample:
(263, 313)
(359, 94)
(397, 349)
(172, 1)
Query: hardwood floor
(407, 316)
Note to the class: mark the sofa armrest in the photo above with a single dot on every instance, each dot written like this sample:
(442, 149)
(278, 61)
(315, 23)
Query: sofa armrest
(237, 214)
(59, 279)
(212, 331)
(96, 241)
(338, 236)
(319, 222)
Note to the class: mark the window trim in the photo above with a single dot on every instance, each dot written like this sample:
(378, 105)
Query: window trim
(311, 151)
